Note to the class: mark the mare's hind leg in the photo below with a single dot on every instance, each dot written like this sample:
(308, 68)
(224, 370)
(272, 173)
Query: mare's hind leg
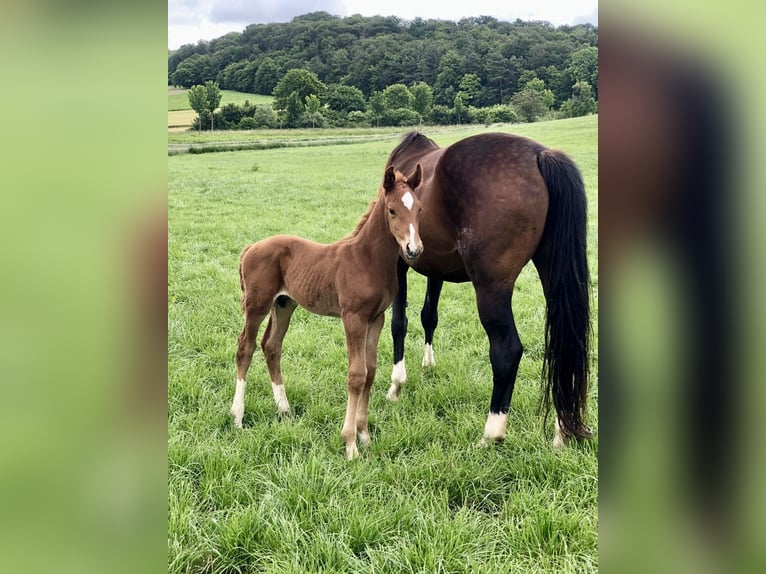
(245, 349)
(399, 332)
(429, 317)
(373, 336)
(271, 344)
(504, 354)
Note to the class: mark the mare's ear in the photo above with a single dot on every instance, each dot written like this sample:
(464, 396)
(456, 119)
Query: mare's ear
(415, 178)
(389, 179)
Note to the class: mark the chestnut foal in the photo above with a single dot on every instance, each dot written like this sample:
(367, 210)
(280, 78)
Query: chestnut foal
(354, 279)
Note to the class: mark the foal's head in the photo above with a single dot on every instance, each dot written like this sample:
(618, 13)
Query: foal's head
(403, 211)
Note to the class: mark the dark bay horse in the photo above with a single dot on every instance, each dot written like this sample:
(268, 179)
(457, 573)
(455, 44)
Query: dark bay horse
(491, 203)
(354, 279)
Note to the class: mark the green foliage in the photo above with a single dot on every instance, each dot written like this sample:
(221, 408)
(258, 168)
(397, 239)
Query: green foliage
(583, 66)
(581, 103)
(459, 109)
(422, 98)
(397, 96)
(399, 117)
(345, 99)
(198, 99)
(371, 54)
(248, 123)
(451, 69)
(265, 117)
(470, 87)
(213, 95)
(294, 109)
(440, 115)
(302, 83)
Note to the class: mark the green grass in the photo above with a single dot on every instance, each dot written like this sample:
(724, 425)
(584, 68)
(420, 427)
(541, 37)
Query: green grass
(179, 100)
(278, 495)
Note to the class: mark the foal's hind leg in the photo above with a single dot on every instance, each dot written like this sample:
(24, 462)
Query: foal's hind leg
(245, 349)
(429, 317)
(504, 354)
(271, 344)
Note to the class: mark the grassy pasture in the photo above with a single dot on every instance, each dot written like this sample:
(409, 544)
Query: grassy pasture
(278, 495)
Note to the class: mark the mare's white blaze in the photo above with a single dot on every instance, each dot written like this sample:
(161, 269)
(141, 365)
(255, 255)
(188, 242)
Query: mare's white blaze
(238, 406)
(428, 356)
(559, 438)
(494, 429)
(280, 397)
(398, 378)
(408, 200)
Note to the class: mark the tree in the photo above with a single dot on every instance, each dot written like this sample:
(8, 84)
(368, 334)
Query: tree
(312, 107)
(345, 99)
(581, 103)
(299, 81)
(583, 67)
(528, 104)
(377, 105)
(447, 78)
(213, 96)
(294, 108)
(470, 86)
(266, 77)
(397, 96)
(459, 108)
(422, 99)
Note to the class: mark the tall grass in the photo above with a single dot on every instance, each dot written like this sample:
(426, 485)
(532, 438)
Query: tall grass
(278, 495)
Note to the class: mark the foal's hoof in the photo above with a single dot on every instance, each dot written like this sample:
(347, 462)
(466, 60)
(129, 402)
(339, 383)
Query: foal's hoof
(393, 393)
(351, 451)
(236, 417)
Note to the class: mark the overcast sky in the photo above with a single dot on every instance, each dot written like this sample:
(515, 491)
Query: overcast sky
(192, 20)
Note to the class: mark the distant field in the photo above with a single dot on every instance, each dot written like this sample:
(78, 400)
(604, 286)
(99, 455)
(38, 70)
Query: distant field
(181, 116)
(278, 495)
(178, 99)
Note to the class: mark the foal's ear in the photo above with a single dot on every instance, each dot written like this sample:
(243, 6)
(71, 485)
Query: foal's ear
(414, 179)
(389, 179)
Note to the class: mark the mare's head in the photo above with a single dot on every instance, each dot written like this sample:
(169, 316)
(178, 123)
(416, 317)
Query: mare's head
(403, 211)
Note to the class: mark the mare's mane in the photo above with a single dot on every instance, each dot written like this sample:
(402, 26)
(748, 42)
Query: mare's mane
(412, 141)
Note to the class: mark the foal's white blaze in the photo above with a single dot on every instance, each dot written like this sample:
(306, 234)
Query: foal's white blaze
(408, 200)
(238, 406)
(398, 378)
(412, 234)
(559, 438)
(280, 398)
(428, 356)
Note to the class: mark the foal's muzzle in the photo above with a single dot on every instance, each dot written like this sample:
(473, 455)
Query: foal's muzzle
(412, 251)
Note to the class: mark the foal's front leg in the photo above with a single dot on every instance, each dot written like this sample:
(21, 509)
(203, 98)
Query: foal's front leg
(356, 328)
(373, 335)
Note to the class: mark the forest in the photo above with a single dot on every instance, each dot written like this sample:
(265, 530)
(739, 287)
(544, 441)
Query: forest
(485, 60)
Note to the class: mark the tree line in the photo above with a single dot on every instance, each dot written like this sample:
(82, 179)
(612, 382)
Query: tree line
(486, 60)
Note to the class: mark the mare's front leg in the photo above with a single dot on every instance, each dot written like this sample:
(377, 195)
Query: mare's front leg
(373, 336)
(356, 328)
(271, 344)
(399, 331)
(429, 317)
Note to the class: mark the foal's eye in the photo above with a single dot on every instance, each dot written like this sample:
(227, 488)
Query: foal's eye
(392, 213)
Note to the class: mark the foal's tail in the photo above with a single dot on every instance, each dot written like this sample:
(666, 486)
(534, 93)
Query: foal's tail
(242, 277)
(561, 260)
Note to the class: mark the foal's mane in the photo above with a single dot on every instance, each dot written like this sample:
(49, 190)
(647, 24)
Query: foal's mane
(364, 218)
